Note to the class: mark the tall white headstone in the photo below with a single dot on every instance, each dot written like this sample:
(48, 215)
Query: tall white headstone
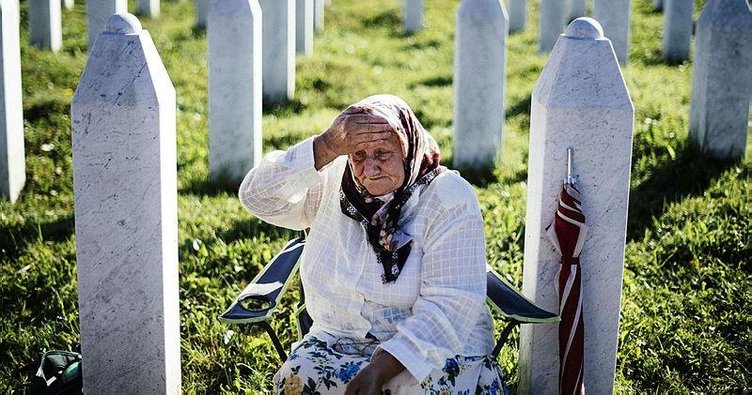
(148, 8)
(278, 54)
(46, 24)
(517, 15)
(318, 15)
(68, 4)
(677, 29)
(551, 23)
(413, 16)
(581, 102)
(479, 73)
(722, 79)
(125, 188)
(614, 17)
(577, 9)
(234, 40)
(304, 27)
(97, 13)
(12, 158)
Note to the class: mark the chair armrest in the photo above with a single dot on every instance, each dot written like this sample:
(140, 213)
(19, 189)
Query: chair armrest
(512, 304)
(267, 288)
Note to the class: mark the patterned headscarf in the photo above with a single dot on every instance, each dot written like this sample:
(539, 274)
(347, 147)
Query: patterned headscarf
(380, 215)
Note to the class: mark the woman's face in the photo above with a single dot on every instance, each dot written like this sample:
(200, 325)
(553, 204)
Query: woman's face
(380, 169)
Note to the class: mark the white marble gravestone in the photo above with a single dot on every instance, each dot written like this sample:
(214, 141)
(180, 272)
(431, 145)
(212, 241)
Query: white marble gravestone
(577, 9)
(551, 23)
(614, 17)
(202, 12)
(149, 8)
(97, 13)
(235, 47)
(125, 189)
(677, 29)
(479, 73)
(278, 50)
(318, 15)
(517, 15)
(581, 102)
(304, 27)
(722, 79)
(12, 158)
(46, 24)
(68, 4)
(413, 16)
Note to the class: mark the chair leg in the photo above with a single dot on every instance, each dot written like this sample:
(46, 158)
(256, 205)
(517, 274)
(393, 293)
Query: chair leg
(503, 338)
(275, 340)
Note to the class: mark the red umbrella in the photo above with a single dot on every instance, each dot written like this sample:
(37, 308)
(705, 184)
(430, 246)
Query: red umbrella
(567, 232)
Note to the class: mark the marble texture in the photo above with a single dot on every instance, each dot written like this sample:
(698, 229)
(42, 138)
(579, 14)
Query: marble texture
(97, 13)
(235, 50)
(202, 12)
(577, 9)
(580, 101)
(46, 24)
(278, 50)
(148, 8)
(304, 27)
(552, 14)
(722, 79)
(615, 16)
(68, 4)
(414, 10)
(517, 15)
(125, 190)
(479, 73)
(677, 29)
(12, 157)
(318, 14)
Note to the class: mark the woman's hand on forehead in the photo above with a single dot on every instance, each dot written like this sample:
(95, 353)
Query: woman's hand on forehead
(354, 130)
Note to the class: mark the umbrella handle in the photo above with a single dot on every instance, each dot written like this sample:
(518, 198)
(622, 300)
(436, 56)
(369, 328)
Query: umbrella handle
(571, 180)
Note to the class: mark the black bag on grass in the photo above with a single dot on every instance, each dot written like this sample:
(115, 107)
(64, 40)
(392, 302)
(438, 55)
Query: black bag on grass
(59, 373)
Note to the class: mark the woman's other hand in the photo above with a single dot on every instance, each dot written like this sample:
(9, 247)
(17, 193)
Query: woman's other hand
(382, 368)
(353, 130)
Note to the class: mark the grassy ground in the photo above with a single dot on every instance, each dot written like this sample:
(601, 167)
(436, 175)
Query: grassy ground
(685, 326)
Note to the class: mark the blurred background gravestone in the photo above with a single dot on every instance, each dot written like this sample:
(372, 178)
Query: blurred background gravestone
(722, 79)
(235, 47)
(45, 24)
(12, 156)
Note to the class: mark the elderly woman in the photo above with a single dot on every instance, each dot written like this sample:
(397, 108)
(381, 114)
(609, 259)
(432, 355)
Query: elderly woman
(394, 267)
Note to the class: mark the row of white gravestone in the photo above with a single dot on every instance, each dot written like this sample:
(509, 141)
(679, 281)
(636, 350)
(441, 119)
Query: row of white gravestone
(614, 16)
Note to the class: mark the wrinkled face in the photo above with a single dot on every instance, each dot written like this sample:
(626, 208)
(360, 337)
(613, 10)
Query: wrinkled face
(380, 169)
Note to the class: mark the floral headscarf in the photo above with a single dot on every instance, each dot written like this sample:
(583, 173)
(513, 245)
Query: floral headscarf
(380, 215)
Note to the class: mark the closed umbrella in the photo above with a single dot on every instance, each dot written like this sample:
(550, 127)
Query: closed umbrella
(567, 232)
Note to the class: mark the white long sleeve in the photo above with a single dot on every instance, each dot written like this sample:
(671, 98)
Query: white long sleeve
(436, 308)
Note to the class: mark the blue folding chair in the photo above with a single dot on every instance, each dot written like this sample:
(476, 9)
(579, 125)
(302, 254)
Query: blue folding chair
(257, 303)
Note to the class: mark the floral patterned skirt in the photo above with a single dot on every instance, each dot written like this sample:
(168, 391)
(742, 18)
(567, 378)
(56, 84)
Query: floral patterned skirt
(315, 367)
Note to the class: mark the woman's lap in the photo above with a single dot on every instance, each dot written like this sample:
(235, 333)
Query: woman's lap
(314, 366)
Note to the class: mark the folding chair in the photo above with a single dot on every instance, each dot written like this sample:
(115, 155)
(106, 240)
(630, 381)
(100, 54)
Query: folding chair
(259, 300)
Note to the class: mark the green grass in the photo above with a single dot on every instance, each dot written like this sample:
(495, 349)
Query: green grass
(685, 324)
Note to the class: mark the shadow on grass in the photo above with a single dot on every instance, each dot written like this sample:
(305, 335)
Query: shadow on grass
(387, 19)
(211, 188)
(250, 226)
(688, 175)
(434, 82)
(282, 108)
(520, 107)
(14, 239)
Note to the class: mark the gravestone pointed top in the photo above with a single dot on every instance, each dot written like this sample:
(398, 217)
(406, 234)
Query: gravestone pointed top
(585, 28)
(122, 23)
